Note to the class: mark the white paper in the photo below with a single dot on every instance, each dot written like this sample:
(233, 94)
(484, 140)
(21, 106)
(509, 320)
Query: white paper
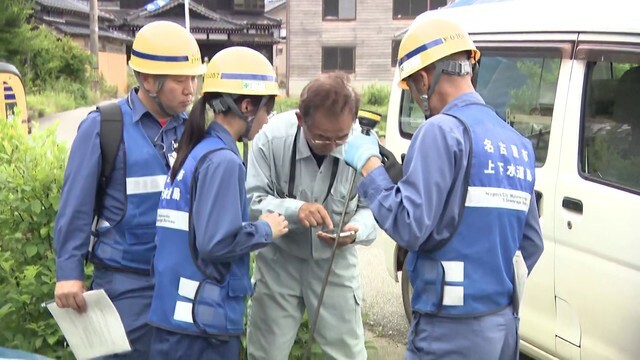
(96, 332)
(520, 273)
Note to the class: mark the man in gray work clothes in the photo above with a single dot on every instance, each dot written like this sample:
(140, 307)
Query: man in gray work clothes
(296, 169)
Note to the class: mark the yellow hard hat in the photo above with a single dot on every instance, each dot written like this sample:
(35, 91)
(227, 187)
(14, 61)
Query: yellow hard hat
(166, 48)
(429, 40)
(240, 70)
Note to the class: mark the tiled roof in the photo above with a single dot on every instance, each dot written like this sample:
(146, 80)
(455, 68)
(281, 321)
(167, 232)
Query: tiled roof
(250, 19)
(216, 19)
(194, 23)
(83, 29)
(143, 13)
(72, 5)
(119, 14)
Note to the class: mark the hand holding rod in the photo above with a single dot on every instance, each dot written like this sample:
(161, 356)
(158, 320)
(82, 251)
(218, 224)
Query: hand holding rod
(367, 121)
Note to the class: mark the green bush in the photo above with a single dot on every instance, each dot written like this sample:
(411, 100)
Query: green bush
(67, 96)
(31, 171)
(51, 102)
(53, 67)
(376, 95)
(55, 60)
(106, 91)
(285, 104)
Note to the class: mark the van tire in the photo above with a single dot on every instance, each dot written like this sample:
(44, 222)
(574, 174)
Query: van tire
(407, 292)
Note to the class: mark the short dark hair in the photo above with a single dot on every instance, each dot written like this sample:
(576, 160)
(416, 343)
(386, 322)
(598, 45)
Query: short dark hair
(330, 94)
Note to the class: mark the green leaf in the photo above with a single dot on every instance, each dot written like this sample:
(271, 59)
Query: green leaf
(31, 250)
(6, 309)
(38, 342)
(36, 206)
(55, 201)
(51, 339)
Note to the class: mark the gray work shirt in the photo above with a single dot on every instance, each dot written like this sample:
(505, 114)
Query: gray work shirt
(268, 182)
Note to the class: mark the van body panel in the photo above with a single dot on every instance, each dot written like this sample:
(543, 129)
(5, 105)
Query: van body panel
(580, 300)
(526, 16)
(389, 247)
(535, 352)
(566, 350)
(567, 323)
(598, 248)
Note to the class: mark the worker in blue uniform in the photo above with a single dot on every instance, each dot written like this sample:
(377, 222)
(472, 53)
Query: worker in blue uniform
(464, 207)
(115, 219)
(201, 268)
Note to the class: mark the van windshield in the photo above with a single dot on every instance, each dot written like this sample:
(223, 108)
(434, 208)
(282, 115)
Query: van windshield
(519, 84)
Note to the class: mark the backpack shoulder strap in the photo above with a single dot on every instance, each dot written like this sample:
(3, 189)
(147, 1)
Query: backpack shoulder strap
(110, 138)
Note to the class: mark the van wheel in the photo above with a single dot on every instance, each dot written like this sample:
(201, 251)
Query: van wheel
(407, 292)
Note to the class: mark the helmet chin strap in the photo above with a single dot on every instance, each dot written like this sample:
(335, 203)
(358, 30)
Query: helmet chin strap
(424, 98)
(156, 100)
(161, 107)
(448, 67)
(159, 82)
(225, 102)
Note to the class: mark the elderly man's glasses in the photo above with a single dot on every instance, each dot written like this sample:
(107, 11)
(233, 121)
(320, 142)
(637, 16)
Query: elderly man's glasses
(325, 141)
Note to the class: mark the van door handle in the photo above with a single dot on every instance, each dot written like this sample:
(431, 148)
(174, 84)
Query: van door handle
(572, 204)
(538, 200)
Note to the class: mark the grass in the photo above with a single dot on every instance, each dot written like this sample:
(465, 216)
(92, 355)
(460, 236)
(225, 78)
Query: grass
(67, 96)
(49, 102)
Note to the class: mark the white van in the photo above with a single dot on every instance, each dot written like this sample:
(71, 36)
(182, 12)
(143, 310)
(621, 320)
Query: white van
(565, 74)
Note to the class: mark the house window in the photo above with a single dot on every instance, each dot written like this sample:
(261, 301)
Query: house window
(248, 5)
(408, 9)
(437, 4)
(339, 59)
(339, 9)
(395, 46)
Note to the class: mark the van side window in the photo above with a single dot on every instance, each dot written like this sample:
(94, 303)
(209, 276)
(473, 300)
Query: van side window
(610, 143)
(520, 84)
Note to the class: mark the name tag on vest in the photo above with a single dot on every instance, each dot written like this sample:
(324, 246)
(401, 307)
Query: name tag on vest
(145, 184)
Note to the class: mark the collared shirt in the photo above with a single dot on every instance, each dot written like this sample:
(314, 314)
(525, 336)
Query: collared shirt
(424, 208)
(267, 182)
(75, 215)
(221, 234)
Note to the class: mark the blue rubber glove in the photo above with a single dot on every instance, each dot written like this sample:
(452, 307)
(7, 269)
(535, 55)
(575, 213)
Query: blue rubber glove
(359, 149)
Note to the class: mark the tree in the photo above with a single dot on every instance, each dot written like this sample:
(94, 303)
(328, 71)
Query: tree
(15, 32)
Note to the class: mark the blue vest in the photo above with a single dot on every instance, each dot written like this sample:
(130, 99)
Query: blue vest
(129, 243)
(472, 273)
(190, 297)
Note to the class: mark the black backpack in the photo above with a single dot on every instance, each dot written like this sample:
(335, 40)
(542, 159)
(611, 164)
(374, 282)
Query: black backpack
(110, 139)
